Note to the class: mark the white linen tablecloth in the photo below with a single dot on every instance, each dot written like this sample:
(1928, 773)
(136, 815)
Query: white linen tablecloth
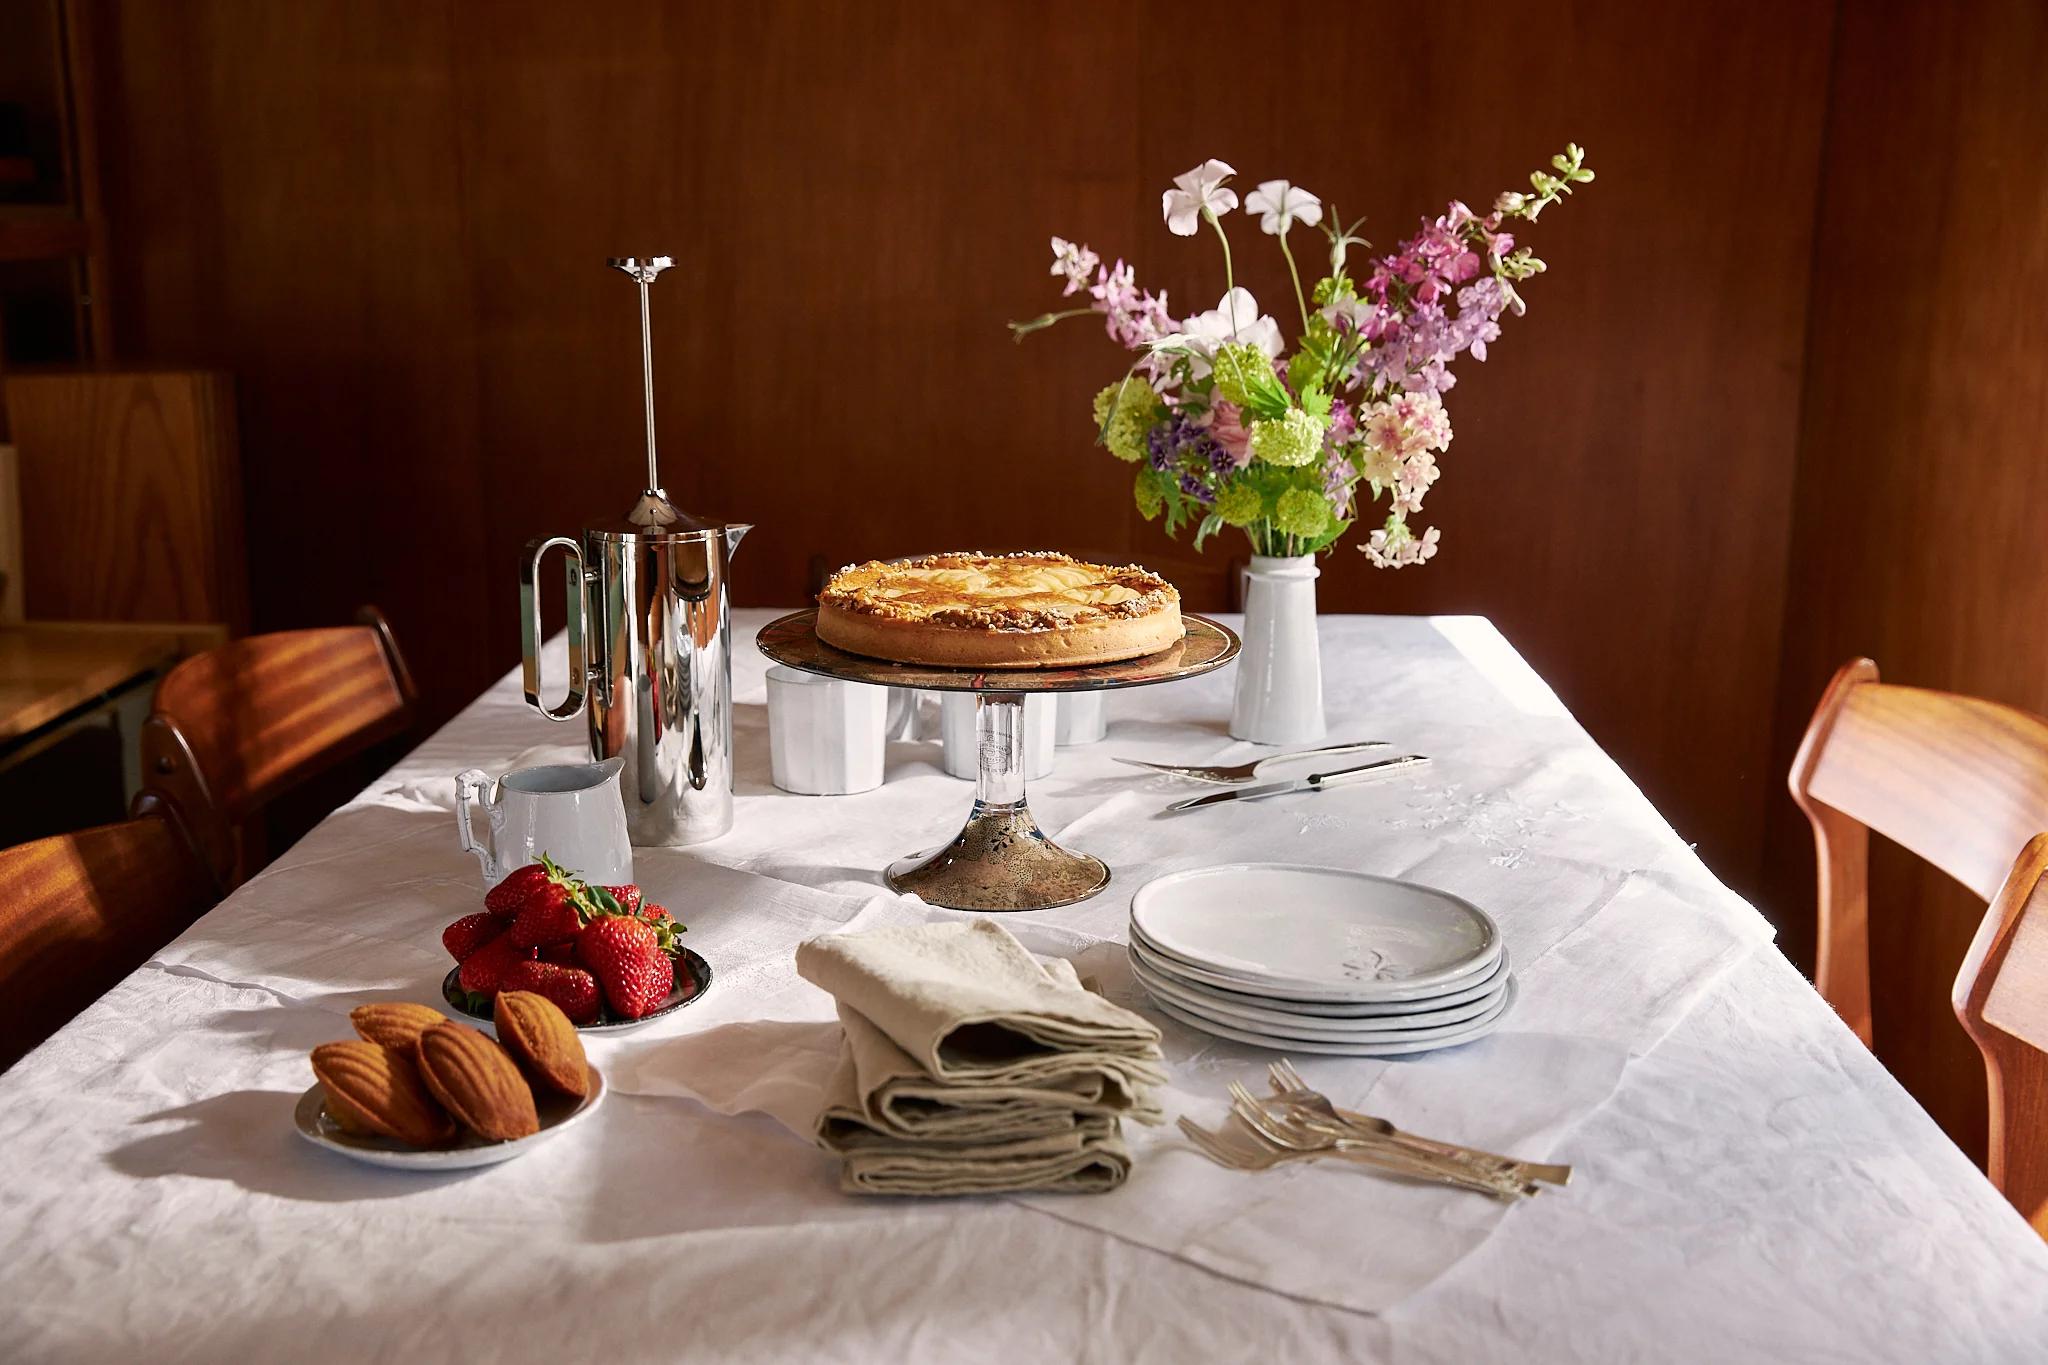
(1755, 1187)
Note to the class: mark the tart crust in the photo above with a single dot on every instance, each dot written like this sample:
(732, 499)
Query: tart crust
(1039, 610)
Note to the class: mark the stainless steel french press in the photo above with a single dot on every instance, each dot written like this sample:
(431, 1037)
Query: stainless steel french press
(650, 642)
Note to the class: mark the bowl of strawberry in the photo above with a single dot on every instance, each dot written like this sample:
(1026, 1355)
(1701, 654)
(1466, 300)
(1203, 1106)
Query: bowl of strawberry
(605, 955)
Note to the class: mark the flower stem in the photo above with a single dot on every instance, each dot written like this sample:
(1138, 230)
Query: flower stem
(1044, 320)
(1229, 279)
(1299, 301)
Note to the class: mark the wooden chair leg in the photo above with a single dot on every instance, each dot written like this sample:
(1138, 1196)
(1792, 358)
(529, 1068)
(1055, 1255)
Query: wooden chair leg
(1842, 960)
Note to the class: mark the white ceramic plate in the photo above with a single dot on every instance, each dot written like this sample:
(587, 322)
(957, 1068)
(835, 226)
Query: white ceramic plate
(557, 1115)
(1262, 1018)
(1292, 996)
(1314, 932)
(1361, 1047)
(1455, 993)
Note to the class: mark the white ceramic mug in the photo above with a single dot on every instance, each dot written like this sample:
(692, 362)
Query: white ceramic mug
(570, 811)
(1080, 719)
(825, 735)
(902, 715)
(963, 748)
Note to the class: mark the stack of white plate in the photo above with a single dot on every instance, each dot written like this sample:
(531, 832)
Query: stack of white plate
(1316, 959)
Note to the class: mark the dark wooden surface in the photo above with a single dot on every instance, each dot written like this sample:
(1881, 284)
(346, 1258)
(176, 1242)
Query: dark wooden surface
(82, 911)
(240, 725)
(1923, 461)
(1957, 781)
(131, 497)
(2001, 999)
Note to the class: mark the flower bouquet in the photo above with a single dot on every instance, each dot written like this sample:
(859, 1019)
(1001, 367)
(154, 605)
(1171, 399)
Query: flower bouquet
(1229, 430)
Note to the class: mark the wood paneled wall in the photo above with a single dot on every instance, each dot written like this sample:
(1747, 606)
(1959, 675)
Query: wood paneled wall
(1923, 472)
(388, 220)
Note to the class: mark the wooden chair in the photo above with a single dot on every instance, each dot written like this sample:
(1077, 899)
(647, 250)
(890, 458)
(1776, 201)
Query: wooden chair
(239, 726)
(1961, 783)
(82, 911)
(2001, 995)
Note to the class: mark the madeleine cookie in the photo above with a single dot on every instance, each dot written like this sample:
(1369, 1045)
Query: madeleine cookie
(395, 1025)
(543, 1041)
(372, 1089)
(478, 1083)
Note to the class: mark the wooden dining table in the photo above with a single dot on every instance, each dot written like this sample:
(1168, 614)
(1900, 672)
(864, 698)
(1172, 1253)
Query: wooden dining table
(1750, 1183)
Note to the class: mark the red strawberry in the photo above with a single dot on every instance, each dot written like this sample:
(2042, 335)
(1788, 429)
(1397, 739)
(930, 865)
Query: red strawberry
(470, 933)
(654, 914)
(561, 954)
(625, 956)
(483, 971)
(628, 896)
(507, 897)
(638, 982)
(610, 940)
(573, 990)
(549, 916)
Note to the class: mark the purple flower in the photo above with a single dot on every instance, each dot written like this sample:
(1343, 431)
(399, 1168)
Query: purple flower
(1193, 486)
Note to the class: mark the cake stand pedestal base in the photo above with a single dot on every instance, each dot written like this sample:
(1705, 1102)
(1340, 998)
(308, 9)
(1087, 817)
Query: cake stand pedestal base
(1000, 860)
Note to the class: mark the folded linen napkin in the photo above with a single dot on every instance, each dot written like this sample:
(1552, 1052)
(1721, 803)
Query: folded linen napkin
(889, 1094)
(971, 1005)
(979, 1070)
(1079, 1163)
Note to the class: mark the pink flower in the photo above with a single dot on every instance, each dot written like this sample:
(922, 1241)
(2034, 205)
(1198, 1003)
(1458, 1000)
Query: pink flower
(1226, 427)
(1074, 262)
(1132, 319)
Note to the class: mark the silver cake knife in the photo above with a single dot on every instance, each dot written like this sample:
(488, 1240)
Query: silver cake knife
(1314, 782)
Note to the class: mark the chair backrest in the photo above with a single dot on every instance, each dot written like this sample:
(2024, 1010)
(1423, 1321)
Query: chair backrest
(1957, 781)
(82, 911)
(236, 727)
(2001, 997)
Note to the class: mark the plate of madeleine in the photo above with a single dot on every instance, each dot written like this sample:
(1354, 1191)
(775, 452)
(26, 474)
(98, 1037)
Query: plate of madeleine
(416, 1090)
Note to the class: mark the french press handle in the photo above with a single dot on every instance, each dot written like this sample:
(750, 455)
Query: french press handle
(529, 627)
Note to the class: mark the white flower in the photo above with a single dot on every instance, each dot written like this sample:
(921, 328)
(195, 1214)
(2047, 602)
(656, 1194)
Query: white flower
(1281, 205)
(1198, 192)
(1236, 317)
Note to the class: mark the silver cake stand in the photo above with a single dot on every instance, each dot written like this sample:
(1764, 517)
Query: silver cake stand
(1000, 859)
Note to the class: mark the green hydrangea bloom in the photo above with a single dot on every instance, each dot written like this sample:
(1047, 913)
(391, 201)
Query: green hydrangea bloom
(1303, 512)
(1293, 440)
(1128, 407)
(1239, 504)
(1243, 374)
(1146, 492)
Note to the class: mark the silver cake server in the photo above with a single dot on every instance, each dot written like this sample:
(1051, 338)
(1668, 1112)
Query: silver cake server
(1314, 782)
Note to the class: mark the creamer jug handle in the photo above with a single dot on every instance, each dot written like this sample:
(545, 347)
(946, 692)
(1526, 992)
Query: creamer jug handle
(529, 628)
(469, 784)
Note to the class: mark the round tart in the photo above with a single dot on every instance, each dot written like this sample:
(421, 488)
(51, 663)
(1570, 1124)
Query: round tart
(998, 611)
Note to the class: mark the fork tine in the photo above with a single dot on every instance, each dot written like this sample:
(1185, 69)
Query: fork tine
(1212, 1146)
(1283, 1074)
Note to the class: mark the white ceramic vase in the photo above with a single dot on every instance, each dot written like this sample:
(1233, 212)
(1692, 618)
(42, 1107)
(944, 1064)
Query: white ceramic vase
(1280, 666)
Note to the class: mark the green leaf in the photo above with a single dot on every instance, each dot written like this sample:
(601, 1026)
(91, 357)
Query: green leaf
(1211, 524)
(1327, 539)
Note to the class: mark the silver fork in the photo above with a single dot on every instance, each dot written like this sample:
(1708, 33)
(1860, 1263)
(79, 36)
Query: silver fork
(1300, 1136)
(1229, 773)
(1288, 1084)
(1252, 1153)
